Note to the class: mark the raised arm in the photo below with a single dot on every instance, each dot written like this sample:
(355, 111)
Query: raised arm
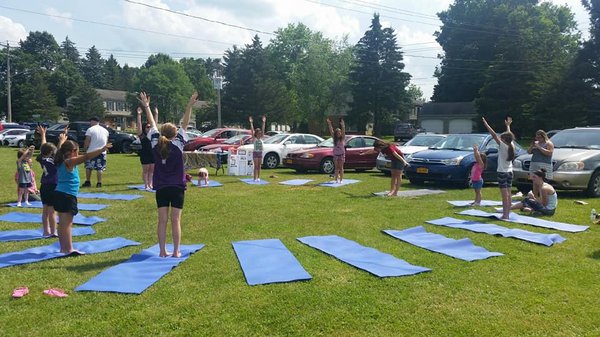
(145, 100)
(188, 110)
(138, 123)
(251, 125)
(42, 131)
(491, 131)
(343, 128)
(477, 155)
(71, 162)
(26, 153)
(62, 137)
(156, 114)
(508, 122)
(264, 124)
(330, 126)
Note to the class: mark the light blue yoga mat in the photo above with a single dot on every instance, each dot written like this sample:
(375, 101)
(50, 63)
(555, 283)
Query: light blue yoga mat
(251, 181)
(109, 196)
(140, 188)
(462, 249)
(52, 251)
(542, 239)
(268, 261)
(211, 183)
(37, 218)
(343, 183)
(81, 207)
(296, 182)
(468, 203)
(411, 193)
(139, 272)
(365, 258)
(34, 234)
(527, 220)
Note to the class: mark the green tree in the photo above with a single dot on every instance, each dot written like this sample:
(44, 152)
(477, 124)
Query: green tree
(34, 101)
(378, 81)
(196, 71)
(112, 74)
(70, 52)
(43, 48)
(64, 81)
(92, 67)
(84, 104)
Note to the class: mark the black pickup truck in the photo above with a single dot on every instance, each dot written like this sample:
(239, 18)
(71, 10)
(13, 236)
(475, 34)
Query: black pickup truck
(121, 141)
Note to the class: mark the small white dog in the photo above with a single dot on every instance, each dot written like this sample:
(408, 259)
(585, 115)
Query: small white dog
(202, 176)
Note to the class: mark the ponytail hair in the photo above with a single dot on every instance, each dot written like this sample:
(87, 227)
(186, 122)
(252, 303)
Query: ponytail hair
(67, 147)
(168, 131)
(541, 173)
(507, 138)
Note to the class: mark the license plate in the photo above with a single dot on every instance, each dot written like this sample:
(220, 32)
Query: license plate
(288, 161)
(388, 165)
(422, 170)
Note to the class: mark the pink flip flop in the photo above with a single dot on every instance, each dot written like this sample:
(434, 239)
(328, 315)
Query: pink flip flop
(20, 292)
(55, 292)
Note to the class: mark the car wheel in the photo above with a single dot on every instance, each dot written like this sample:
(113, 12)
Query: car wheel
(416, 181)
(327, 165)
(21, 144)
(270, 161)
(126, 147)
(593, 189)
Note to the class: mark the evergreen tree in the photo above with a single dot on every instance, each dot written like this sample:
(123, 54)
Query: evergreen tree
(92, 67)
(34, 101)
(112, 74)
(84, 104)
(70, 52)
(378, 82)
(64, 81)
(43, 48)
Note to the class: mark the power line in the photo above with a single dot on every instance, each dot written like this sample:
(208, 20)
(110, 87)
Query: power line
(199, 17)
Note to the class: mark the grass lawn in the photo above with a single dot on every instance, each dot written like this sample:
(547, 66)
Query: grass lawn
(531, 291)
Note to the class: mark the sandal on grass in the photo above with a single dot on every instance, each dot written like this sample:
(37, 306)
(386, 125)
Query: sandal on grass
(55, 292)
(20, 292)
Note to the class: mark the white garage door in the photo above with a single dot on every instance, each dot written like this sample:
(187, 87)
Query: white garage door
(460, 126)
(433, 125)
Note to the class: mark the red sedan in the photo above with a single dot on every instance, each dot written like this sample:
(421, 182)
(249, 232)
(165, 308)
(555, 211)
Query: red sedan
(213, 136)
(231, 143)
(320, 158)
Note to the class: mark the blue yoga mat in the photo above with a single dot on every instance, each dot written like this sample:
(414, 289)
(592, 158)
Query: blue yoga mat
(52, 251)
(34, 234)
(343, 183)
(139, 188)
(37, 218)
(296, 182)
(365, 258)
(109, 196)
(527, 220)
(211, 183)
(139, 272)
(462, 249)
(82, 207)
(539, 238)
(268, 261)
(468, 203)
(251, 181)
(411, 193)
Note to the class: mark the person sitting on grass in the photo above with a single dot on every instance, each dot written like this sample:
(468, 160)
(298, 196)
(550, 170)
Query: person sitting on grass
(542, 200)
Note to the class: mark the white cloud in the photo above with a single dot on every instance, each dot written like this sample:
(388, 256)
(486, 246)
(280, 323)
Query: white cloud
(11, 30)
(60, 17)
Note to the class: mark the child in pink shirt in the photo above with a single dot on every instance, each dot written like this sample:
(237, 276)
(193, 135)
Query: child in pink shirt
(477, 174)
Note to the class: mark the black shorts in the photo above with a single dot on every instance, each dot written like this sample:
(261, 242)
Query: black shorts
(25, 185)
(65, 203)
(146, 158)
(170, 196)
(47, 194)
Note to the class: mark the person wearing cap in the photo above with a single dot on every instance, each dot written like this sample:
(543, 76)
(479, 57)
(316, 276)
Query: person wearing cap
(96, 137)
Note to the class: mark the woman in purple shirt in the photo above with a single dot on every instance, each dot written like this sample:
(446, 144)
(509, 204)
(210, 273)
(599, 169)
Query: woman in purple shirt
(168, 178)
(339, 149)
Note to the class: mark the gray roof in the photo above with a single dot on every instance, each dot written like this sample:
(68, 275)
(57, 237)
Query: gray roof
(113, 95)
(448, 108)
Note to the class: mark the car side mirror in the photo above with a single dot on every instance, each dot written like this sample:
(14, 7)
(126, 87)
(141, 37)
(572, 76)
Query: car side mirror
(491, 150)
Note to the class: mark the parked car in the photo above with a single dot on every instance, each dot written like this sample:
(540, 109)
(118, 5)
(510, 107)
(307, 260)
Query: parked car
(451, 160)
(214, 136)
(273, 133)
(404, 131)
(17, 140)
(231, 143)
(277, 147)
(7, 125)
(121, 141)
(320, 158)
(420, 142)
(575, 160)
(11, 132)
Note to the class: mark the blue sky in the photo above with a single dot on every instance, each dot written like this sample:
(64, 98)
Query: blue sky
(149, 30)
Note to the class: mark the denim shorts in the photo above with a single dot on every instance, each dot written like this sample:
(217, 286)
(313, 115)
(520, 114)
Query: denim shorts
(477, 184)
(505, 179)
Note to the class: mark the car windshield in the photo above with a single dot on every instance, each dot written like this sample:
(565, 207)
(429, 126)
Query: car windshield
(459, 142)
(276, 139)
(235, 139)
(577, 139)
(211, 133)
(424, 140)
(57, 127)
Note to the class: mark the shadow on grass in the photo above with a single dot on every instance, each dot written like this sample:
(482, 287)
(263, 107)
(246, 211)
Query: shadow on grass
(95, 266)
(595, 255)
(359, 196)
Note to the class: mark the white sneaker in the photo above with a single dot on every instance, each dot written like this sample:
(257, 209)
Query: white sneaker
(27, 203)
(19, 204)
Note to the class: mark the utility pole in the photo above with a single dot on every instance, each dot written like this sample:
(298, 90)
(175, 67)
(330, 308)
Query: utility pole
(218, 85)
(8, 91)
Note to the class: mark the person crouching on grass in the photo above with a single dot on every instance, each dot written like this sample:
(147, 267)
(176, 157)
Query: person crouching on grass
(67, 187)
(398, 163)
(169, 177)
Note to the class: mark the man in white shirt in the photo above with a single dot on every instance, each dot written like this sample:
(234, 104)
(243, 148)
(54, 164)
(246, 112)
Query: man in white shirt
(96, 137)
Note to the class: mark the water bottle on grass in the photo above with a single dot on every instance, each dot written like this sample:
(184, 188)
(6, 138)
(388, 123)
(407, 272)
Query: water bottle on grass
(593, 215)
